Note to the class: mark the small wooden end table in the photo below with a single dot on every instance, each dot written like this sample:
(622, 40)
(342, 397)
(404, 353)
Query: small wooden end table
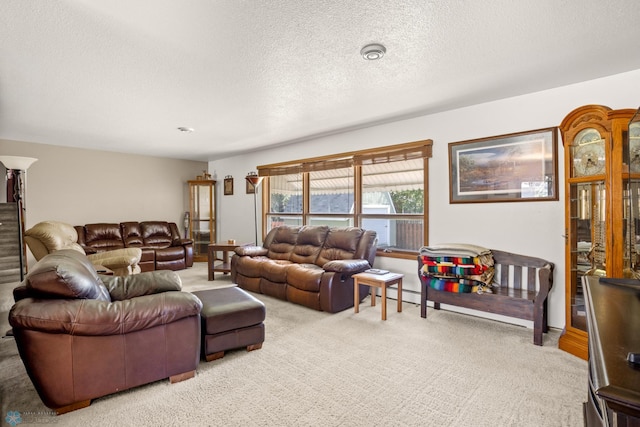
(382, 281)
(225, 266)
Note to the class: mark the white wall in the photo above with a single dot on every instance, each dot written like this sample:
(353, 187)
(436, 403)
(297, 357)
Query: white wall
(81, 186)
(531, 228)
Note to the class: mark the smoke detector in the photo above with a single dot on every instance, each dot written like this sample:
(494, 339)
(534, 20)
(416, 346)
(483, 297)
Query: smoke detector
(372, 52)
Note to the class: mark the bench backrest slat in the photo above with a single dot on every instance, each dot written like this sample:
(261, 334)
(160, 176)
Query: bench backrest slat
(517, 277)
(531, 279)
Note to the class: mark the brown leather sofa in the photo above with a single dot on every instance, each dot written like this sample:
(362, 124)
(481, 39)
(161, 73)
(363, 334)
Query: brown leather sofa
(49, 236)
(83, 336)
(160, 241)
(309, 265)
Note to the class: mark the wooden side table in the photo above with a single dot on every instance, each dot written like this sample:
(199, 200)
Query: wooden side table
(225, 266)
(382, 281)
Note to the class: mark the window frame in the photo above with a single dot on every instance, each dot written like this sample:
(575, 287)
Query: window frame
(355, 159)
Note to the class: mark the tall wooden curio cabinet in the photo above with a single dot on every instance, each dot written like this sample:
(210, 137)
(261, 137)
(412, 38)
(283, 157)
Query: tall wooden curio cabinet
(594, 138)
(202, 216)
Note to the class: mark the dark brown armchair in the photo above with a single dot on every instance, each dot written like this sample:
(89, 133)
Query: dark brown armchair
(83, 336)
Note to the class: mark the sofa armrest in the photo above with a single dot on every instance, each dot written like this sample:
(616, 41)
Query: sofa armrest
(183, 242)
(93, 317)
(117, 258)
(347, 266)
(151, 282)
(251, 251)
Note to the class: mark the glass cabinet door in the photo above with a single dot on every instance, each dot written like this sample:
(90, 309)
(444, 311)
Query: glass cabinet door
(631, 200)
(587, 243)
(202, 217)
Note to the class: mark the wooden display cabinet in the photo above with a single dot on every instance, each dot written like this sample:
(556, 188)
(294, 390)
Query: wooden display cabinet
(594, 139)
(202, 216)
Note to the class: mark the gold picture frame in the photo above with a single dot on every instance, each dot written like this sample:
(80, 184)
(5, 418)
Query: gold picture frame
(516, 167)
(228, 186)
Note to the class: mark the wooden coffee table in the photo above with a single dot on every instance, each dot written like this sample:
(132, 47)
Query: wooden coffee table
(225, 266)
(382, 281)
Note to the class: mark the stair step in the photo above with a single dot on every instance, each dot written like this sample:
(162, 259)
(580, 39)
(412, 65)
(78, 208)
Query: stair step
(9, 262)
(10, 275)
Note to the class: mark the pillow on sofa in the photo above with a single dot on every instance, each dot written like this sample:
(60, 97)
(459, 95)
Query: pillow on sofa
(66, 274)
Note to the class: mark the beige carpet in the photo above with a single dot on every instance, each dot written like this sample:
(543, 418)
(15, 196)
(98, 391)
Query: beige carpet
(345, 369)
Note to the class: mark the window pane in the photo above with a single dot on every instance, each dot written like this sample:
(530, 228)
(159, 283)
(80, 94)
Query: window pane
(285, 193)
(333, 221)
(402, 234)
(331, 191)
(393, 188)
(274, 221)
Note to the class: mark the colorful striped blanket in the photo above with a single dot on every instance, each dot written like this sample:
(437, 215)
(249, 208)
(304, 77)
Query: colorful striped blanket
(461, 271)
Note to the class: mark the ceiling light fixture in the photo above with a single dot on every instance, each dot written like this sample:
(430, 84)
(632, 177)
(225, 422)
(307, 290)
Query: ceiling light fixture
(372, 52)
(185, 129)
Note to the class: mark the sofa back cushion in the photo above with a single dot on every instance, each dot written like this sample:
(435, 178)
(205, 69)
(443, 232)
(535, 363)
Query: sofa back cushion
(65, 274)
(131, 234)
(309, 244)
(156, 234)
(280, 242)
(103, 236)
(341, 243)
(49, 236)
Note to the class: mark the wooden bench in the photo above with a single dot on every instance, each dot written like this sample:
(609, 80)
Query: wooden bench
(516, 293)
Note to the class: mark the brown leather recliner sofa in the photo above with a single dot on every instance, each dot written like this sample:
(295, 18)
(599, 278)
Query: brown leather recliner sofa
(160, 241)
(308, 265)
(82, 336)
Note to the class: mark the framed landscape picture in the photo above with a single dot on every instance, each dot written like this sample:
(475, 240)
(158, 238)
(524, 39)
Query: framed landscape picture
(507, 168)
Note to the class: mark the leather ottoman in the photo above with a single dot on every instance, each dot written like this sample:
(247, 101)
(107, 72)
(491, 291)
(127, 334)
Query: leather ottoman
(231, 318)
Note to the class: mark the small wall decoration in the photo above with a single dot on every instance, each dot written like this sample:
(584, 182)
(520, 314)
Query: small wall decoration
(251, 189)
(507, 168)
(228, 185)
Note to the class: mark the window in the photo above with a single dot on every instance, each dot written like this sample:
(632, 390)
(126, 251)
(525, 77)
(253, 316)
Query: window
(285, 200)
(393, 203)
(383, 189)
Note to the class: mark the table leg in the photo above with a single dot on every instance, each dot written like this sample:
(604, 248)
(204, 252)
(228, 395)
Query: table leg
(384, 301)
(400, 296)
(373, 291)
(225, 260)
(211, 260)
(356, 295)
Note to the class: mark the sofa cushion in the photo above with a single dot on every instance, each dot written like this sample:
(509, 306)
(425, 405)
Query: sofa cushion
(341, 243)
(305, 276)
(282, 242)
(103, 236)
(131, 234)
(251, 267)
(275, 270)
(171, 253)
(66, 274)
(156, 234)
(309, 244)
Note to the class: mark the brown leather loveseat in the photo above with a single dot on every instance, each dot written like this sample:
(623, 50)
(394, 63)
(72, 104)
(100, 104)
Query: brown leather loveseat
(308, 265)
(82, 336)
(160, 241)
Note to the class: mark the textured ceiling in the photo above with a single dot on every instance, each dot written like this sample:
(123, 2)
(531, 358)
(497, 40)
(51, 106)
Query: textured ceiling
(122, 75)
